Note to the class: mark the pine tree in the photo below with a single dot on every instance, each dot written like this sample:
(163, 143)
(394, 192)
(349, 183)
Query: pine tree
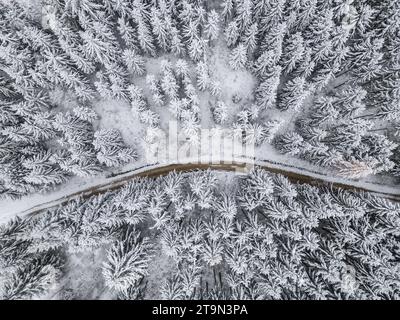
(266, 92)
(14, 249)
(227, 9)
(135, 292)
(155, 88)
(212, 253)
(232, 34)
(177, 45)
(220, 112)
(197, 49)
(290, 143)
(265, 65)
(244, 10)
(254, 134)
(169, 83)
(191, 30)
(85, 113)
(322, 77)
(293, 94)
(349, 101)
(353, 169)
(172, 289)
(138, 102)
(100, 43)
(306, 14)
(71, 43)
(238, 57)
(273, 14)
(34, 279)
(103, 85)
(226, 206)
(212, 26)
(306, 66)
(160, 29)
(365, 57)
(215, 88)
(145, 38)
(318, 34)
(42, 171)
(134, 62)
(127, 261)
(250, 38)
(203, 76)
(111, 149)
(292, 52)
(273, 39)
(270, 129)
(127, 33)
(323, 112)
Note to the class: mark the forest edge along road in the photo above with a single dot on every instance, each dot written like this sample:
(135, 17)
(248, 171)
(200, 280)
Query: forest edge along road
(115, 181)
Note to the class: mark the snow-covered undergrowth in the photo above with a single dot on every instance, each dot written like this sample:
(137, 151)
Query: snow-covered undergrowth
(207, 235)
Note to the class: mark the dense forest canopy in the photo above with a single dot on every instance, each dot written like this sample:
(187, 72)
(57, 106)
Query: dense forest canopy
(222, 236)
(323, 88)
(333, 66)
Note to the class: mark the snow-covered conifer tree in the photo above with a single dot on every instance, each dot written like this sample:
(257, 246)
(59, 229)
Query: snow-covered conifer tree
(293, 51)
(111, 149)
(232, 34)
(220, 112)
(265, 64)
(160, 29)
(244, 10)
(293, 94)
(212, 252)
(290, 143)
(145, 38)
(134, 62)
(273, 39)
(238, 57)
(172, 289)
(250, 38)
(127, 33)
(215, 88)
(127, 261)
(100, 43)
(197, 49)
(177, 45)
(33, 279)
(227, 9)
(212, 25)
(169, 83)
(85, 113)
(266, 92)
(226, 206)
(155, 89)
(203, 76)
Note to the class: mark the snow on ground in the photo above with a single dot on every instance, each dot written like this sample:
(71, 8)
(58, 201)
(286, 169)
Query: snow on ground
(240, 82)
(116, 114)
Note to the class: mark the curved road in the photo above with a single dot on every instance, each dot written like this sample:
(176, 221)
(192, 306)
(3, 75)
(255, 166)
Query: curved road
(294, 174)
